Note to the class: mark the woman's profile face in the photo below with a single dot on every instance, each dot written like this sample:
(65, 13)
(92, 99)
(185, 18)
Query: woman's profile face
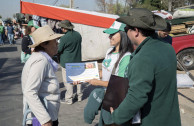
(115, 39)
(33, 29)
(51, 48)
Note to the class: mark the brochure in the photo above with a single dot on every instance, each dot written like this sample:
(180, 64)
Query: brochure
(81, 71)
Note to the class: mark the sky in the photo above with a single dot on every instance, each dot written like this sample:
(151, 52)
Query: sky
(10, 7)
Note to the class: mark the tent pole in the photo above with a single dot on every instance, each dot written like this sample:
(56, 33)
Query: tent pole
(20, 6)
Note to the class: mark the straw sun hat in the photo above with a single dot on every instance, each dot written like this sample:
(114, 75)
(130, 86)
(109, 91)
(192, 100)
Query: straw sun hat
(43, 34)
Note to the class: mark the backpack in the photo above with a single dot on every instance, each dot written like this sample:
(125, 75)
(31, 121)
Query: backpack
(1, 29)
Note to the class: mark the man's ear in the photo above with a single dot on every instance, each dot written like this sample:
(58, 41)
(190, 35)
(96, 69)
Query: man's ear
(136, 32)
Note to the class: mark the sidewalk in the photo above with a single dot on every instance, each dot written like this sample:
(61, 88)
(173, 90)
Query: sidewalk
(186, 104)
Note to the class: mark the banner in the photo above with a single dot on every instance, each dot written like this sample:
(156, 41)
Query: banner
(74, 15)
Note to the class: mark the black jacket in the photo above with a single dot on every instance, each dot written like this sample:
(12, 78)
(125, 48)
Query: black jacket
(26, 41)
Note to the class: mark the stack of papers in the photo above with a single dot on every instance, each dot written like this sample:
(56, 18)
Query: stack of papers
(81, 71)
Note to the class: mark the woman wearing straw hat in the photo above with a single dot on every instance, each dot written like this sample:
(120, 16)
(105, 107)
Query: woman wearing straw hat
(38, 77)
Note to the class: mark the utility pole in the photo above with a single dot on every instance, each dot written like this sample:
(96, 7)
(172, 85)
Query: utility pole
(117, 2)
(71, 2)
(170, 5)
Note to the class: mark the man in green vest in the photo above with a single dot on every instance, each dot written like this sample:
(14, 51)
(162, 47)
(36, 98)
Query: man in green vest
(70, 52)
(151, 73)
(1, 34)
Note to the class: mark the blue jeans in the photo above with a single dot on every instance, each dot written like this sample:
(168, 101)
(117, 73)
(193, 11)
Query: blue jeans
(1, 38)
(10, 37)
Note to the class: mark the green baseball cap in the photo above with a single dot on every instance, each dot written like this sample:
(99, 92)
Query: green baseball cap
(115, 27)
(30, 23)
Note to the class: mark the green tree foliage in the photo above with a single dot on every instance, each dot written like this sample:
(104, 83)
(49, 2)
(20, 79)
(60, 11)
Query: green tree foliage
(146, 1)
(148, 6)
(118, 9)
(159, 4)
(121, 7)
(0, 16)
(156, 3)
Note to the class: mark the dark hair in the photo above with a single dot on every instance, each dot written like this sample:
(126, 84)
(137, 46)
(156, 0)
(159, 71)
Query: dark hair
(168, 27)
(144, 32)
(40, 48)
(28, 30)
(125, 46)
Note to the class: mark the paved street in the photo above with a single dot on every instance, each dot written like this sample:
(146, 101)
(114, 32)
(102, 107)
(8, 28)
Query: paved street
(70, 115)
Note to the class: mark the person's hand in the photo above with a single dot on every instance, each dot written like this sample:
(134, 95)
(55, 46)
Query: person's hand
(49, 123)
(76, 82)
(89, 65)
(32, 49)
(111, 110)
(100, 73)
(93, 82)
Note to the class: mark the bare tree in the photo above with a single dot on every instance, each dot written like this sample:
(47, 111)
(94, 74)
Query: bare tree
(110, 7)
(102, 5)
(71, 3)
(130, 3)
(169, 5)
(117, 6)
(178, 3)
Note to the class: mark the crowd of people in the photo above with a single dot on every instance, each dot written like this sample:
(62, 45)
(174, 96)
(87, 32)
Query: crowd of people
(138, 52)
(9, 32)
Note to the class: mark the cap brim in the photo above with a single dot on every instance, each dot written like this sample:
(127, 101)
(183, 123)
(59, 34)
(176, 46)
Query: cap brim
(131, 21)
(124, 19)
(36, 26)
(54, 36)
(110, 31)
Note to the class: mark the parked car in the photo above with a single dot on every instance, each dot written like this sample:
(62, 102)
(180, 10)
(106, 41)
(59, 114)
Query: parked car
(184, 48)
